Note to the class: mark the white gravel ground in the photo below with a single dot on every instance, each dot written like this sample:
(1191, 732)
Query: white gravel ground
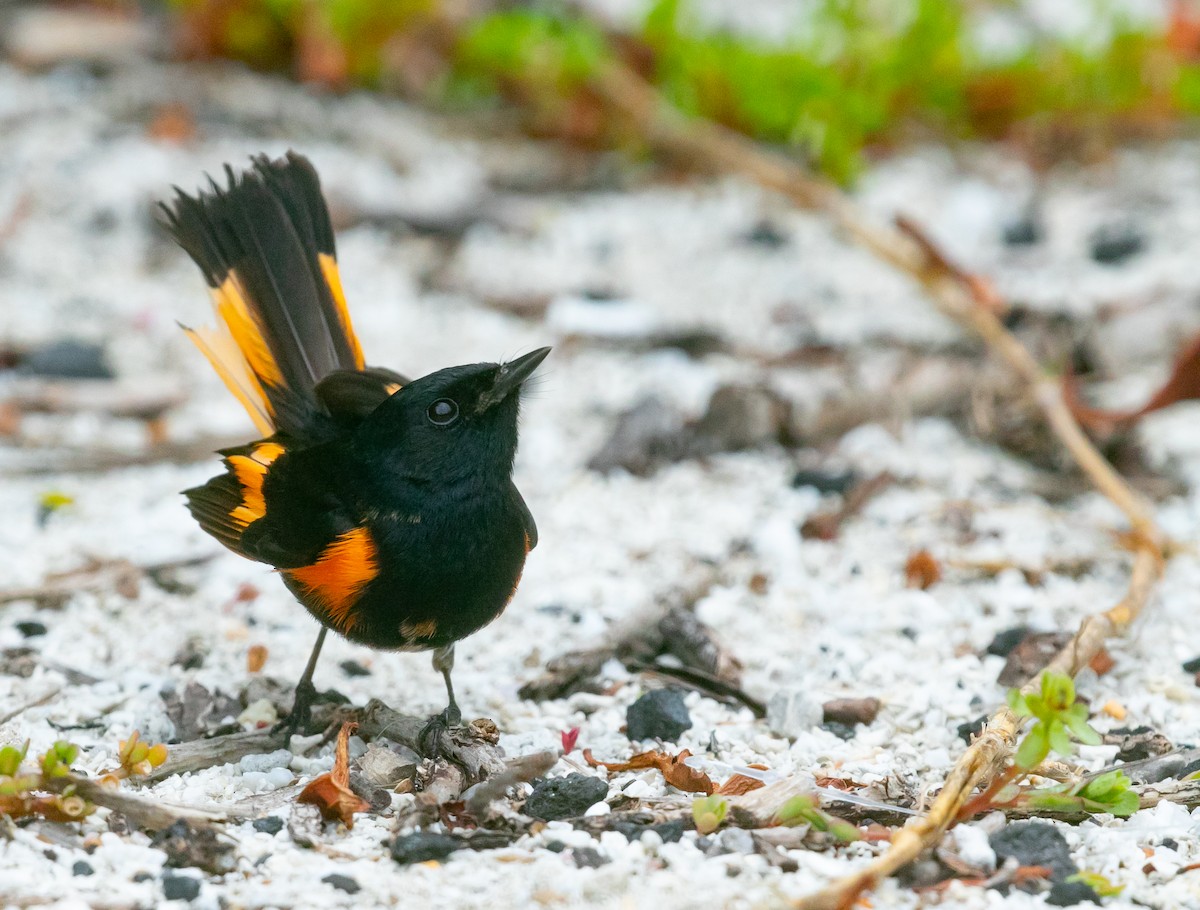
(836, 618)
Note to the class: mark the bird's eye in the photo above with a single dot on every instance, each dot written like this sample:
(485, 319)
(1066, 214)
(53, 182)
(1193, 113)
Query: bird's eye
(442, 412)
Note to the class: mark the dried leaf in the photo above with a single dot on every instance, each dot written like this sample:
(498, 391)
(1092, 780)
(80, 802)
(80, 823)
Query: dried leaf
(738, 785)
(922, 570)
(256, 658)
(1182, 385)
(673, 769)
(331, 791)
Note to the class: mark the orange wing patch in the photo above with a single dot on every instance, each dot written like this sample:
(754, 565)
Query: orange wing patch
(250, 471)
(336, 580)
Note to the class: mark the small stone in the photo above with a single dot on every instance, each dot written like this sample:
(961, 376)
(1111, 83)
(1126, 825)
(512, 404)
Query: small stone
(670, 832)
(259, 714)
(82, 868)
(1035, 844)
(852, 710)
(840, 730)
(354, 668)
(739, 418)
(824, 481)
(766, 234)
(659, 714)
(564, 797)
(645, 436)
(972, 728)
(1192, 666)
(142, 876)
(1068, 894)
(1030, 656)
(1138, 743)
(422, 847)
(1025, 231)
(790, 712)
(272, 824)
(1005, 641)
(1113, 244)
(342, 883)
(31, 628)
(265, 761)
(68, 360)
(180, 887)
(588, 858)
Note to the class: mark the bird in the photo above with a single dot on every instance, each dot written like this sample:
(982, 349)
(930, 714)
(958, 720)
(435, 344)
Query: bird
(387, 505)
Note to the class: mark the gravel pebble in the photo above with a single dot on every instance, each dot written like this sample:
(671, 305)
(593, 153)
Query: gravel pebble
(659, 714)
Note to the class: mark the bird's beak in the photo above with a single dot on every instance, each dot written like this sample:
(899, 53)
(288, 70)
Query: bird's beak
(512, 374)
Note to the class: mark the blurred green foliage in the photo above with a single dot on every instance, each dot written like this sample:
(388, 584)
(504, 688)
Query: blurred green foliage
(862, 74)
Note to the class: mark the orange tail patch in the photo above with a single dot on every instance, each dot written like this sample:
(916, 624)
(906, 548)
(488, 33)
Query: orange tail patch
(336, 580)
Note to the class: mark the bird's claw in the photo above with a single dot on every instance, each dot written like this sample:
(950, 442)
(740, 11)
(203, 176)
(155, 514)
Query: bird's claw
(431, 736)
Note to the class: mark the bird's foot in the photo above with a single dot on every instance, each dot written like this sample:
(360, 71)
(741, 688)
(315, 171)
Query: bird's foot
(431, 737)
(301, 713)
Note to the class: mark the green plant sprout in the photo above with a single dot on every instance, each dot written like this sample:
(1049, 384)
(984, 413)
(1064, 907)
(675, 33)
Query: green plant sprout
(709, 812)
(804, 810)
(1057, 718)
(24, 795)
(1059, 723)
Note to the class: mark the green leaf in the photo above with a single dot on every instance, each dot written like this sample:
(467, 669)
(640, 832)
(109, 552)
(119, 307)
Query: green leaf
(1098, 883)
(1058, 690)
(799, 810)
(1017, 703)
(11, 758)
(1033, 749)
(708, 812)
(1060, 742)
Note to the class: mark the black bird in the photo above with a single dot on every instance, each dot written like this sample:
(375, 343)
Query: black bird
(387, 505)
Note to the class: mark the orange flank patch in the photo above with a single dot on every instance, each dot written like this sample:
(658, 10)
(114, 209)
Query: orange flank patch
(333, 278)
(250, 471)
(335, 581)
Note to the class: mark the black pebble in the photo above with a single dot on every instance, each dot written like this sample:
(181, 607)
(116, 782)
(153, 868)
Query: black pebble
(766, 234)
(342, 883)
(70, 360)
(971, 728)
(1113, 244)
(588, 858)
(51, 855)
(272, 824)
(670, 832)
(1068, 894)
(422, 847)
(839, 729)
(1035, 844)
(1023, 232)
(1005, 641)
(659, 714)
(354, 668)
(1192, 666)
(30, 627)
(1170, 843)
(824, 481)
(180, 887)
(142, 877)
(564, 797)
(82, 868)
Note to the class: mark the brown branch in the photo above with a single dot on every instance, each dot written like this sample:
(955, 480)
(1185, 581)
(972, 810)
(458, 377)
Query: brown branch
(966, 300)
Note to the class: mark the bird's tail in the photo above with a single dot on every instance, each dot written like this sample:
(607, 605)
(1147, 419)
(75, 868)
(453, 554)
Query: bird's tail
(265, 245)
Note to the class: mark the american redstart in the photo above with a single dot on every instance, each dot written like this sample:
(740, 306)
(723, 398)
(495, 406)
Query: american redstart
(386, 504)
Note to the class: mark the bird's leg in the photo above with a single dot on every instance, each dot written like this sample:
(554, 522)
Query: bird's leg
(306, 692)
(431, 735)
